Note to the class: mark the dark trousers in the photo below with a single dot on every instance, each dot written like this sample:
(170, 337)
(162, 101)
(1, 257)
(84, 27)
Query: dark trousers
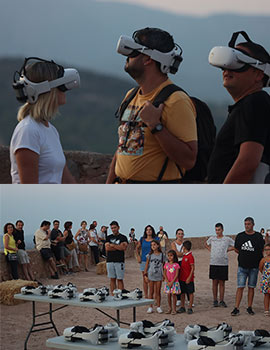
(95, 252)
(14, 268)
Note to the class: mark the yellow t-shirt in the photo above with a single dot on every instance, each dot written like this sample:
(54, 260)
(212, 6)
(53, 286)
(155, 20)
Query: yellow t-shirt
(139, 155)
(11, 244)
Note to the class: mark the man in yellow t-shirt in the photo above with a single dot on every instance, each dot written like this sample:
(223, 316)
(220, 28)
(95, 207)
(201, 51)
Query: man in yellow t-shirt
(148, 135)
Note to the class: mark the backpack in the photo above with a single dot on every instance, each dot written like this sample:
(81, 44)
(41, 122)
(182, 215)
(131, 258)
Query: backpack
(206, 132)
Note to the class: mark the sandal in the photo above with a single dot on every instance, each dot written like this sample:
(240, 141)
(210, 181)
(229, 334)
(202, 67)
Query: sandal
(266, 313)
(174, 312)
(168, 312)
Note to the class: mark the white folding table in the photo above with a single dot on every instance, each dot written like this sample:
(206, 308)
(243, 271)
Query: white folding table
(109, 303)
(61, 343)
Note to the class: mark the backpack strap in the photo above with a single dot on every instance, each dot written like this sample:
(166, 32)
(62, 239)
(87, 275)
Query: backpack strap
(125, 103)
(162, 96)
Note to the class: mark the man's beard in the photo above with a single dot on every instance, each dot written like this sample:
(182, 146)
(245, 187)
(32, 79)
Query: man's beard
(135, 72)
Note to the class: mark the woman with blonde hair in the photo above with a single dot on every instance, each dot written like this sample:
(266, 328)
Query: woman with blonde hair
(36, 153)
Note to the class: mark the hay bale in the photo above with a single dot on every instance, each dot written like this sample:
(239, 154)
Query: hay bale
(101, 268)
(9, 288)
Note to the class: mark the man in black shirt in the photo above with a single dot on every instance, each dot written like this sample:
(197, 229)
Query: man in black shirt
(23, 257)
(242, 150)
(61, 253)
(249, 246)
(115, 246)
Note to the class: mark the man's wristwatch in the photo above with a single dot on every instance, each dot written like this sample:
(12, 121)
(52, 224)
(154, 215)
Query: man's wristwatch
(157, 128)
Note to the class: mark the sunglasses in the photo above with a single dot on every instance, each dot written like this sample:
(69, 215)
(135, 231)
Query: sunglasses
(134, 53)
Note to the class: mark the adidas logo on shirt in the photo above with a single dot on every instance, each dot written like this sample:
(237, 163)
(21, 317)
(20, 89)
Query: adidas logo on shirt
(247, 246)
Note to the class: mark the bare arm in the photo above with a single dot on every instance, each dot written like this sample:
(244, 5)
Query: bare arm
(208, 247)
(191, 273)
(27, 162)
(67, 178)
(246, 163)
(182, 153)
(76, 236)
(121, 246)
(111, 175)
(261, 265)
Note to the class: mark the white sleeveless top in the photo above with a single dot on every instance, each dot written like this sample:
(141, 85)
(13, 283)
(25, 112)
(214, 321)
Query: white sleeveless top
(179, 248)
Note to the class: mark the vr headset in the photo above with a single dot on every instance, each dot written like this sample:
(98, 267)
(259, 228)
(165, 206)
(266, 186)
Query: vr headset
(28, 91)
(235, 59)
(169, 61)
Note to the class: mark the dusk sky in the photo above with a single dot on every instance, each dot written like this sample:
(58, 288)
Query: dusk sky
(205, 7)
(195, 208)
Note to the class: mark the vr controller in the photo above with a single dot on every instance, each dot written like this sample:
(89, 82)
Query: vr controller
(40, 290)
(169, 61)
(93, 294)
(96, 335)
(119, 294)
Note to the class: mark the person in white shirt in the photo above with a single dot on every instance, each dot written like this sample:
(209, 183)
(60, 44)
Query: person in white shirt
(219, 245)
(36, 153)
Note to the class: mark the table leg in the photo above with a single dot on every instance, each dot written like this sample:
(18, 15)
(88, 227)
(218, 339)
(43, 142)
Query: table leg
(134, 314)
(34, 324)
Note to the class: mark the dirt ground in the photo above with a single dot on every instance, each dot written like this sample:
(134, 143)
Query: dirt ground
(16, 320)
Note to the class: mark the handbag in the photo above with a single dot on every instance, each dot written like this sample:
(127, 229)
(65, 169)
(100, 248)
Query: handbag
(12, 257)
(83, 247)
(71, 245)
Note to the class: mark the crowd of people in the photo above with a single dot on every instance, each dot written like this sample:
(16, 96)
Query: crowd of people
(174, 266)
(57, 248)
(159, 141)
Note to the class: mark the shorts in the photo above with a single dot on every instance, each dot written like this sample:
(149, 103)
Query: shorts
(142, 265)
(23, 257)
(46, 253)
(218, 272)
(244, 274)
(187, 288)
(116, 270)
(175, 288)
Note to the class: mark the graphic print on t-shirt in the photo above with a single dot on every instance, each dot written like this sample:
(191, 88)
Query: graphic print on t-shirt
(131, 133)
(116, 241)
(247, 246)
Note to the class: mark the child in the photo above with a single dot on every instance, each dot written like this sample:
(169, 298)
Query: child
(172, 286)
(153, 273)
(187, 278)
(264, 268)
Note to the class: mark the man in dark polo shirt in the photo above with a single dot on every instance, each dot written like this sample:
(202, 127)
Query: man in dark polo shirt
(115, 246)
(249, 246)
(242, 150)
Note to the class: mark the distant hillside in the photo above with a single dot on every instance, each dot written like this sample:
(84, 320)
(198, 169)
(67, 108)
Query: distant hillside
(84, 33)
(87, 121)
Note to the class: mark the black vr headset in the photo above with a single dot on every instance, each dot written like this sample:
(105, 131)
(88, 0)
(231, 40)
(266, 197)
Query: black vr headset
(28, 91)
(235, 59)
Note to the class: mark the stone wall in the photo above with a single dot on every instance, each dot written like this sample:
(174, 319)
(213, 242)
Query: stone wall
(38, 266)
(86, 167)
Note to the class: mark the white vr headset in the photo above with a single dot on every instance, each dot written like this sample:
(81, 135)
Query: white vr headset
(169, 61)
(28, 91)
(234, 59)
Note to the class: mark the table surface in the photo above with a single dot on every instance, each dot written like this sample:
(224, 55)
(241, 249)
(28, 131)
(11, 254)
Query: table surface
(61, 343)
(109, 303)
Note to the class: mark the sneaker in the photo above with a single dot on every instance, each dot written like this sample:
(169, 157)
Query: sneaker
(181, 310)
(149, 310)
(189, 311)
(222, 303)
(159, 310)
(178, 303)
(235, 312)
(215, 303)
(250, 311)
